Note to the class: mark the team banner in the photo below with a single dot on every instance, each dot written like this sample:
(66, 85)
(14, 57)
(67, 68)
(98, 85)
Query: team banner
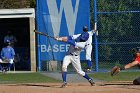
(60, 18)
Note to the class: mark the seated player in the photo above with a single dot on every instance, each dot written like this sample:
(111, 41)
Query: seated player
(7, 56)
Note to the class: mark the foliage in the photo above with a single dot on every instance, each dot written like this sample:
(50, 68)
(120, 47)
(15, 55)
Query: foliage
(7, 4)
(116, 25)
(91, 14)
(33, 3)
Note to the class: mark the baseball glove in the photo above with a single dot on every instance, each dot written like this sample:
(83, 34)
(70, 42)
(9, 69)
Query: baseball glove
(115, 70)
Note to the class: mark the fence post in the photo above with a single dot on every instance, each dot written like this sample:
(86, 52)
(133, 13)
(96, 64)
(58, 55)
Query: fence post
(96, 39)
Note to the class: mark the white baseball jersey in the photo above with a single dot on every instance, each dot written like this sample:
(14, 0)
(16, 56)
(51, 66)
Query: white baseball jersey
(73, 56)
(88, 44)
(89, 41)
(75, 50)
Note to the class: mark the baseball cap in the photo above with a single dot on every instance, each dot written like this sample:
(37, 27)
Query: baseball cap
(85, 28)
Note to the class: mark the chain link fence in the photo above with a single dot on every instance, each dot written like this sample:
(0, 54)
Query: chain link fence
(118, 27)
(117, 37)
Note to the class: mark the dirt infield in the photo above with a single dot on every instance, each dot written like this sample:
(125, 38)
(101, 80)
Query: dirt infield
(114, 87)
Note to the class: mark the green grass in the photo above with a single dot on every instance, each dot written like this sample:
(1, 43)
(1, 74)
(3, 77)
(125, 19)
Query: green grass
(25, 78)
(40, 78)
(122, 76)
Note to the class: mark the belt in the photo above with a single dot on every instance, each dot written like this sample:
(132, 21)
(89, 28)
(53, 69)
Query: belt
(73, 54)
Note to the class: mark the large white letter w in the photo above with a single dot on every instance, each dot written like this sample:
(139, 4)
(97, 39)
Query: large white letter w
(56, 15)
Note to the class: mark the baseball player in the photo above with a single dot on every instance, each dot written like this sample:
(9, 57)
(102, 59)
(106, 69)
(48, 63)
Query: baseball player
(7, 54)
(135, 62)
(88, 46)
(73, 56)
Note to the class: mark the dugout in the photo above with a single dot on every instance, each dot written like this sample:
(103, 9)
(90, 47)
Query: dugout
(21, 22)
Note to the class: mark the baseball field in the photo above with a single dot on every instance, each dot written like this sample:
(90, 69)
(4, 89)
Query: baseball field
(51, 82)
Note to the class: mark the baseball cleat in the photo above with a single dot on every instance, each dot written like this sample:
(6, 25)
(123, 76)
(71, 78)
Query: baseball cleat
(91, 82)
(88, 70)
(64, 85)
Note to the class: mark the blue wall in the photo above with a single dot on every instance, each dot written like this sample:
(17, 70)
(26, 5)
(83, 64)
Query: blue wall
(60, 18)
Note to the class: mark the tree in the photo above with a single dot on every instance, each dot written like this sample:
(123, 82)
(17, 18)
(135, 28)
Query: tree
(13, 4)
(116, 27)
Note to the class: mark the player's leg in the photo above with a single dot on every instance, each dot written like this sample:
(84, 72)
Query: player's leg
(10, 64)
(77, 65)
(88, 57)
(66, 62)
